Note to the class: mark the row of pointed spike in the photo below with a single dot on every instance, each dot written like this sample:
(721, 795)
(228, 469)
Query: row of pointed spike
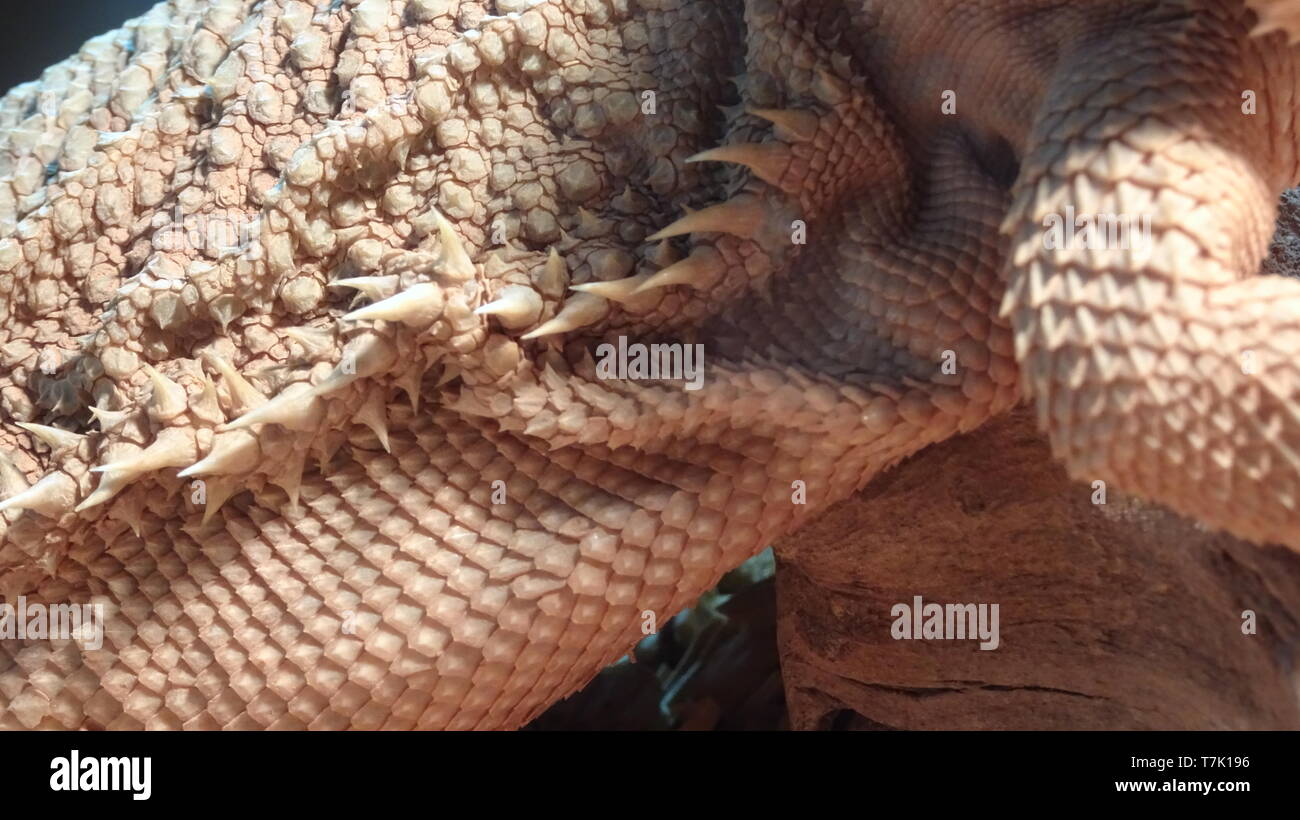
(235, 449)
(421, 304)
(517, 307)
(742, 216)
(55, 493)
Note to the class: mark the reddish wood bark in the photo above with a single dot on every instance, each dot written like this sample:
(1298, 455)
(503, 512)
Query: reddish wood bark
(1121, 615)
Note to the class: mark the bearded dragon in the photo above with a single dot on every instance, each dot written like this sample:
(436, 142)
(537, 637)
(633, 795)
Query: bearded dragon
(301, 303)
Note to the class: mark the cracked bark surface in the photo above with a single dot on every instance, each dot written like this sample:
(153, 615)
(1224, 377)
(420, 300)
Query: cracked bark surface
(1115, 616)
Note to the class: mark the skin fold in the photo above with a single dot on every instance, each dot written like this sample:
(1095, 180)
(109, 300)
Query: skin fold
(301, 308)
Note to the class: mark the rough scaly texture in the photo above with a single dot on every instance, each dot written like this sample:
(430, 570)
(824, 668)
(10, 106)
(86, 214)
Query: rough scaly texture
(431, 511)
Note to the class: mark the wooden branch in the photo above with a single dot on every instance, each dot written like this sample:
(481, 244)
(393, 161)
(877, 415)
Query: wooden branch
(1120, 615)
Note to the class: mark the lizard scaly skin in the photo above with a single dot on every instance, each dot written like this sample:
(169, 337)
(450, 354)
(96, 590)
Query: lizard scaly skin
(433, 511)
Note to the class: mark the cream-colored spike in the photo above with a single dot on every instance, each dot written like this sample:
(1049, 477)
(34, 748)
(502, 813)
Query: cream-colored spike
(168, 400)
(374, 414)
(207, 408)
(567, 243)
(363, 357)
(109, 485)
(767, 161)
(327, 447)
(616, 290)
(698, 269)
(449, 373)
(174, 447)
(455, 262)
(374, 288)
(297, 407)
(418, 306)
(109, 419)
(52, 496)
(55, 438)
(131, 510)
(216, 492)
(579, 311)
(516, 306)
(554, 277)
(289, 477)
(800, 125)
(411, 380)
(236, 452)
(243, 395)
(740, 217)
(314, 341)
(225, 309)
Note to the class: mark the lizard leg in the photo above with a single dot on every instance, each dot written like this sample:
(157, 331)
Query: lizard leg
(1153, 362)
